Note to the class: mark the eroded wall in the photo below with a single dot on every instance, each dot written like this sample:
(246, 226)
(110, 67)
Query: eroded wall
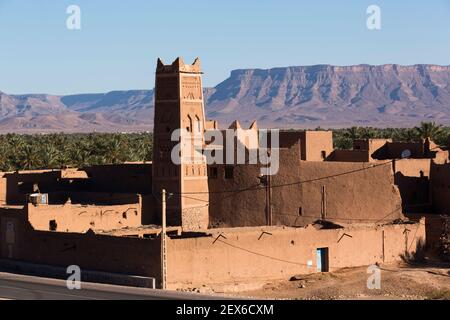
(303, 192)
(225, 256)
(440, 187)
(316, 145)
(349, 156)
(279, 253)
(80, 218)
(96, 180)
(412, 176)
(132, 256)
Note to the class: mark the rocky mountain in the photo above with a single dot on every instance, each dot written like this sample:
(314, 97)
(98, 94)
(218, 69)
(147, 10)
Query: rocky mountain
(331, 96)
(113, 111)
(305, 97)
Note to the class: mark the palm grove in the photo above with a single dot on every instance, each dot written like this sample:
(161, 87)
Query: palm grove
(53, 151)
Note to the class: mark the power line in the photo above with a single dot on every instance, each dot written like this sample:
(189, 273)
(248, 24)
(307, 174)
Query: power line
(258, 187)
(209, 203)
(291, 183)
(260, 254)
(346, 219)
(283, 260)
(305, 181)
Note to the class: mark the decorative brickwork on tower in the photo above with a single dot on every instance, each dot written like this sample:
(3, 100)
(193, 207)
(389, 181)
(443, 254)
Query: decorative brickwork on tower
(179, 105)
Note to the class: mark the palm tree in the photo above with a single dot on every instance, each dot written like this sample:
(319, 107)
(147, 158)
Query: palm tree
(353, 133)
(406, 135)
(48, 156)
(429, 130)
(368, 133)
(115, 150)
(29, 158)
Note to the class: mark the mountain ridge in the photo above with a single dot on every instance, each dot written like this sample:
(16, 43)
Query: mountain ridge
(286, 97)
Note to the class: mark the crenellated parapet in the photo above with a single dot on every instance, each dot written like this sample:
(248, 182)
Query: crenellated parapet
(179, 66)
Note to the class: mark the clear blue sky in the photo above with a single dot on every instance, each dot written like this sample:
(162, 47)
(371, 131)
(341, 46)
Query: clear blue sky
(117, 47)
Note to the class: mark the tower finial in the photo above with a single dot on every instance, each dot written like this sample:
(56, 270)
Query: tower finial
(235, 125)
(178, 63)
(197, 62)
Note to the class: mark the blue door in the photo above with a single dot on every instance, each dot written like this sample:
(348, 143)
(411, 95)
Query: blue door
(319, 260)
(322, 259)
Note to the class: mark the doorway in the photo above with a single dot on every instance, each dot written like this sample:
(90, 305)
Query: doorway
(322, 260)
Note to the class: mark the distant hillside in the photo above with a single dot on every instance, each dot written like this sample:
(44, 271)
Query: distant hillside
(113, 111)
(322, 95)
(388, 95)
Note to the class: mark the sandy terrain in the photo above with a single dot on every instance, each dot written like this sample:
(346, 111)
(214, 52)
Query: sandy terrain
(399, 281)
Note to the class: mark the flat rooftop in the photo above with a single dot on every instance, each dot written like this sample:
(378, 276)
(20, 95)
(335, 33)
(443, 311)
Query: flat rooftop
(140, 232)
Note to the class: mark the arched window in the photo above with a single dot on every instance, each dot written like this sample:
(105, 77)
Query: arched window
(189, 125)
(198, 124)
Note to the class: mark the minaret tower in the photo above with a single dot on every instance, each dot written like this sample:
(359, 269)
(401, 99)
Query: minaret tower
(179, 105)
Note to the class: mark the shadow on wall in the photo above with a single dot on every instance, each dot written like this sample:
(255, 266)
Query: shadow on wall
(416, 256)
(415, 193)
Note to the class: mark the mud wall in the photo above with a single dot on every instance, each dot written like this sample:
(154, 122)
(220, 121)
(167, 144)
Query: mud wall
(78, 218)
(279, 253)
(18, 241)
(303, 192)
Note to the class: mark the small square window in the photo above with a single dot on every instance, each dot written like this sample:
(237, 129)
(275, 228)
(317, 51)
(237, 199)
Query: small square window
(213, 172)
(52, 225)
(229, 172)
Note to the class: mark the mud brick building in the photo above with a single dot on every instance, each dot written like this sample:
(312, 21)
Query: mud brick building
(322, 210)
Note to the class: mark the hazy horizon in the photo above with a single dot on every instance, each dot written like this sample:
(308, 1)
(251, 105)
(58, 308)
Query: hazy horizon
(278, 67)
(118, 44)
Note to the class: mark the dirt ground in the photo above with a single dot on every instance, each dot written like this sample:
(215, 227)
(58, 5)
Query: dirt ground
(398, 282)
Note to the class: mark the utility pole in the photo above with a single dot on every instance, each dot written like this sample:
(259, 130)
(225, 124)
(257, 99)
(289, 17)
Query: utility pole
(324, 203)
(269, 198)
(163, 243)
(266, 181)
(269, 193)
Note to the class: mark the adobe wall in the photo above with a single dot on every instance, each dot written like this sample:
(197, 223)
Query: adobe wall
(349, 156)
(378, 148)
(441, 157)
(352, 192)
(249, 254)
(80, 218)
(433, 227)
(395, 149)
(121, 178)
(362, 195)
(415, 193)
(246, 255)
(236, 209)
(413, 167)
(19, 184)
(375, 148)
(316, 145)
(412, 179)
(132, 256)
(440, 187)
(2, 189)
(92, 198)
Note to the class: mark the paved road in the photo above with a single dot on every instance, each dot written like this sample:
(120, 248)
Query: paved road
(19, 287)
